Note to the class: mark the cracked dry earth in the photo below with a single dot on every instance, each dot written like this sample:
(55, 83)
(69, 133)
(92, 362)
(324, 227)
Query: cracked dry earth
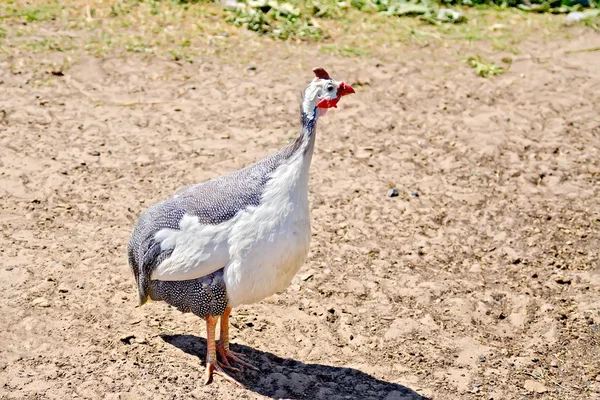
(480, 280)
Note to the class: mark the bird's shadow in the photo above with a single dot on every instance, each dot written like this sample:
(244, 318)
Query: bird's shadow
(291, 379)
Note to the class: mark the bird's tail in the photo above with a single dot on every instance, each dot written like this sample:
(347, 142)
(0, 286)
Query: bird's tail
(143, 292)
(140, 279)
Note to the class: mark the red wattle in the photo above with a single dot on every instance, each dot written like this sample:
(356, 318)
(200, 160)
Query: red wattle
(328, 103)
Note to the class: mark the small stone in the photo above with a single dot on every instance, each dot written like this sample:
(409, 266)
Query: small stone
(81, 286)
(507, 119)
(553, 364)
(448, 15)
(251, 68)
(562, 316)
(127, 338)
(574, 17)
(63, 289)
(364, 153)
(143, 161)
(393, 192)
(10, 268)
(141, 340)
(534, 386)
(481, 358)
(192, 87)
(562, 280)
(40, 302)
(415, 194)
(307, 276)
(95, 153)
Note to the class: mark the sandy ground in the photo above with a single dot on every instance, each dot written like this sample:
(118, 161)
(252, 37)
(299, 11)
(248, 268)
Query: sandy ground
(480, 280)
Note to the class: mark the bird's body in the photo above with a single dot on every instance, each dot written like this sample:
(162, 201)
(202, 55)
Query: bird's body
(232, 240)
(258, 237)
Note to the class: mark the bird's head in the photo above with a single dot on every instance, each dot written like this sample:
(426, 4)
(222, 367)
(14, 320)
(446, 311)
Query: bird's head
(323, 93)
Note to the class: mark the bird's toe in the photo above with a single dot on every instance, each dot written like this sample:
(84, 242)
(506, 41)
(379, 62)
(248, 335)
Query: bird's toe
(232, 357)
(216, 368)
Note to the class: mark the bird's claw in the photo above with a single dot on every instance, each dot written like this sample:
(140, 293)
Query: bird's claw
(228, 355)
(225, 364)
(216, 368)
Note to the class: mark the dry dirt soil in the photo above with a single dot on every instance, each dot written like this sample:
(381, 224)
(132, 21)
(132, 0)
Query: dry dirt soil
(481, 280)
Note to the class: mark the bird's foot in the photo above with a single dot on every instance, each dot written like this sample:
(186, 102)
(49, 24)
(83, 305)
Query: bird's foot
(214, 367)
(228, 355)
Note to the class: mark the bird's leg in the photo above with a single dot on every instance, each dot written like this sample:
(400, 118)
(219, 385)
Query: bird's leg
(223, 348)
(212, 365)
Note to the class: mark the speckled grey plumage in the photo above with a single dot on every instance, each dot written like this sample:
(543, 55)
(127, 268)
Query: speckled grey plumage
(203, 296)
(213, 202)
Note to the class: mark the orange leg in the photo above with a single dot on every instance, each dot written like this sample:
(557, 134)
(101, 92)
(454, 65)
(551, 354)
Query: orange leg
(212, 365)
(223, 348)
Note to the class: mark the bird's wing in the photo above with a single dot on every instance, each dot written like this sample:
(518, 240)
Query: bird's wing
(195, 250)
(185, 237)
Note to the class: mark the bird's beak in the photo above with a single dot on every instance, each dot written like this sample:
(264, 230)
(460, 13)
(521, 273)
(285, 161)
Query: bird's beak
(345, 89)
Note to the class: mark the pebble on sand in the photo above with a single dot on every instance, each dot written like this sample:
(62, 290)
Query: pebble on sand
(534, 386)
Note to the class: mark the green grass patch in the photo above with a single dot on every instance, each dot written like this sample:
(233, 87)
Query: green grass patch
(49, 44)
(279, 20)
(42, 12)
(485, 68)
(298, 18)
(182, 30)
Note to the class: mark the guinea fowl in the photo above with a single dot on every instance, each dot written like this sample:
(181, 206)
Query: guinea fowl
(235, 239)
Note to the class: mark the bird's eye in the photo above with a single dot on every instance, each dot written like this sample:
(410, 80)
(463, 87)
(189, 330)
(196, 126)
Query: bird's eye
(330, 88)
